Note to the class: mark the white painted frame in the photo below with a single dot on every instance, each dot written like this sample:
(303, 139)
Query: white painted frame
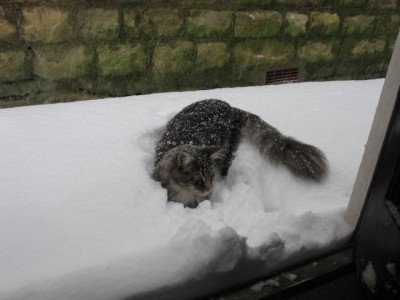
(376, 138)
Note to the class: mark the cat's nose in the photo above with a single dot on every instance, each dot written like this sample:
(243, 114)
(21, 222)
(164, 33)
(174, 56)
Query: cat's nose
(208, 186)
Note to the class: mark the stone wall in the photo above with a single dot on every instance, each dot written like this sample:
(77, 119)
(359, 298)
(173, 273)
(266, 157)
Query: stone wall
(54, 51)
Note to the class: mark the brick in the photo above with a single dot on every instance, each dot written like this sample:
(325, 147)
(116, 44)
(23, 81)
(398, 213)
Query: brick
(209, 23)
(391, 43)
(394, 24)
(387, 24)
(270, 53)
(383, 4)
(46, 24)
(301, 3)
(131, 28)
(175, 57)
(98, 23)
(370, 48)
(13, 103)
(122, 60)
(211, 55)
(379, 67)
(257, 24)
(251, 4)
(207, 79)
(57, 97)
(324, 23)
(12, 65)
(357, 69)
(58, 62)
(315, 71)
(7, 29)
(206, 2)
(295, 24)
(251, 77)
(348, 68)
(316, 52)
(356, 49)
(359, 25)
(19, 89)
(116, 86)
(165, 21)
(352, 3)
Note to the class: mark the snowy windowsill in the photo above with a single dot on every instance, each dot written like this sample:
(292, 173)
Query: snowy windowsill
(82, 219)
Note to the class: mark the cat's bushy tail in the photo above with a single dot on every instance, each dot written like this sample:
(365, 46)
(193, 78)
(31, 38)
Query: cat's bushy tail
(303, 160)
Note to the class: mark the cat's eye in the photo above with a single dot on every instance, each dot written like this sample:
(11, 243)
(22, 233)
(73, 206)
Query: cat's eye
(197, 177)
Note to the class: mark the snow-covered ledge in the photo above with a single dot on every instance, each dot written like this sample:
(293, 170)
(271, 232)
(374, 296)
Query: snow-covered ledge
(376, 138)
(81, 217)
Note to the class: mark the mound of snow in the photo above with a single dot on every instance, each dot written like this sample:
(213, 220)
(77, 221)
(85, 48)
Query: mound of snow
(82, 219)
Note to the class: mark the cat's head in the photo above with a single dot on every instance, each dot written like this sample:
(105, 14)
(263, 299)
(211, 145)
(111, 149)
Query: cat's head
(187, 172)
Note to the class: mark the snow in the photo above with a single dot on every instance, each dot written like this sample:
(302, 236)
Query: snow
(82, 219)
(291, 276)
(391, 267)
(266, 283)
(369, 276)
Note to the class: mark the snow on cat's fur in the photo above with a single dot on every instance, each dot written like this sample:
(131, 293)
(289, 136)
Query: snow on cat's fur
(200, 141)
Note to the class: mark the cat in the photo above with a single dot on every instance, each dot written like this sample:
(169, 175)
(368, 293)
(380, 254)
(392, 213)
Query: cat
(200, 141)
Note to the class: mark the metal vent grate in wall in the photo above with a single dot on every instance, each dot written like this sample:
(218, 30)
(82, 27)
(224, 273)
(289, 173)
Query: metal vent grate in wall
(282, 76)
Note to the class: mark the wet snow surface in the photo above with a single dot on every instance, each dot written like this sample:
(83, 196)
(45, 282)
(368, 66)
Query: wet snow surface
(81, 218)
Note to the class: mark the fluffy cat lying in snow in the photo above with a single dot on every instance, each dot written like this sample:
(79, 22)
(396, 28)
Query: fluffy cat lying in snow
(200, 141)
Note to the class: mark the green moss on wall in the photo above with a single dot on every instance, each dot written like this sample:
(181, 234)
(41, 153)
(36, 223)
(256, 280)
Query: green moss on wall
(122, 60)
(359, 49)
(98, 23)
(57, 62)
(166, 21)
(211, 55)
(7, 29)
(352, 3)
(258, 24)
(387, 24)
(358, 25)
(124, 47)
(46, 24)
(12, 66)
(208, 23)
(323, 23)
(267, 53)
(295, 24)
(175, 57)
(313, 52)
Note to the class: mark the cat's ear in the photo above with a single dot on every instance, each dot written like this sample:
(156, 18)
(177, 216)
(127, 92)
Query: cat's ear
(184, 160)
(216, 153)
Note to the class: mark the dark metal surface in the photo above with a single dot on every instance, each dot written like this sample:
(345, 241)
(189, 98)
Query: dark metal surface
(329, 277)
(377, 238)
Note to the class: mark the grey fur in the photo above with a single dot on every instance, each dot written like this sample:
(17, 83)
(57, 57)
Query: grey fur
(201, 140)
